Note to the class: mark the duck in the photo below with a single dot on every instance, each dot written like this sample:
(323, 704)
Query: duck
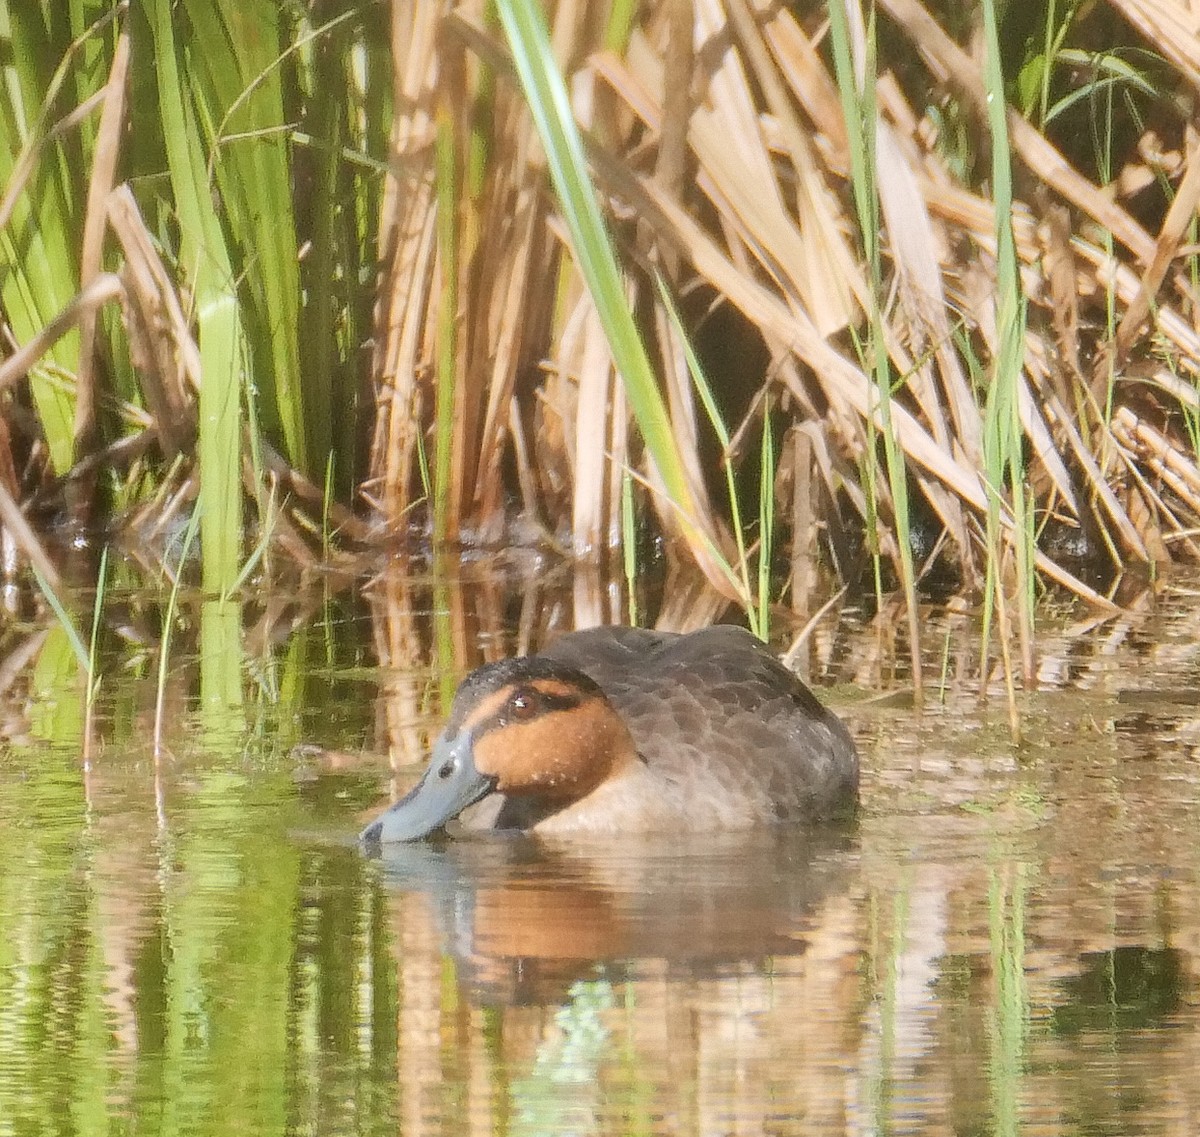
(620, 730)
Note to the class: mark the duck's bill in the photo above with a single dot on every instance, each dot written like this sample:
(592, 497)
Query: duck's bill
(448, 786)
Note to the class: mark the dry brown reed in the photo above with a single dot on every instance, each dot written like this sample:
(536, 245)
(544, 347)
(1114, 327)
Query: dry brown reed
(764, 227)
(719, 150)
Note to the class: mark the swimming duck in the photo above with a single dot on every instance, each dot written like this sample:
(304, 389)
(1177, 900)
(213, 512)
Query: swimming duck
(624, 730)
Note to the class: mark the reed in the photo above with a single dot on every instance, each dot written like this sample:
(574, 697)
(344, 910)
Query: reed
(629, 553)
(738, 573)
(448, 238)
(549, 105)
(41, 226)
(220, 330)
(232, 240)
(1003, 440)
(381, 269)
(854, 56)
(766, 524)
(66, 623)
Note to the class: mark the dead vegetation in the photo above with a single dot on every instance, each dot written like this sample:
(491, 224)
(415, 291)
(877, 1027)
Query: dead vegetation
(479, 400)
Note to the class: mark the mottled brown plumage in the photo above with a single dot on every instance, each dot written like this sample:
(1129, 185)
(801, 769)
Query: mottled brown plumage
(622, 730)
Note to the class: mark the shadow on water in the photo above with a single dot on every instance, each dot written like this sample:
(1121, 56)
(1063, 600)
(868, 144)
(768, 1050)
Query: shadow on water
(1007, 940)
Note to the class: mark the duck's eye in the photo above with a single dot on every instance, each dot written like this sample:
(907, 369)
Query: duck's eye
(523, 704)
(445, 770)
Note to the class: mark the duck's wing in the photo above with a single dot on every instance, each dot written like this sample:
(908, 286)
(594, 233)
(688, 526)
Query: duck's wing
(608, 652)
(724, 658)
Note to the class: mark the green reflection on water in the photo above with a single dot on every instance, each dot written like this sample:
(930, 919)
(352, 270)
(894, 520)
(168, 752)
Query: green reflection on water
(58, 691)
(1126, 989)
(174, 956)
(180, 954)
(562, 1091)
(209, 975)
(1009, 1019)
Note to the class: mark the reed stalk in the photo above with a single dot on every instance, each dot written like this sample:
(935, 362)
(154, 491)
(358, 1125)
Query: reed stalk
(222, 673)
(856, 77)
(1003, 439)
(629, 557)
(549, 105)
(220, 333)
(270, 203)
(447, 324)
(766, 522)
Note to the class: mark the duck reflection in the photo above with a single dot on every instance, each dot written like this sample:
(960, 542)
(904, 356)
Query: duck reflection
(524, 918)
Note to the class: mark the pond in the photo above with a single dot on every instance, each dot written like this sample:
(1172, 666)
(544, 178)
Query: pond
(1006, 940)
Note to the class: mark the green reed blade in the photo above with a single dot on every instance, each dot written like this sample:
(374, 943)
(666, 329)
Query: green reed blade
(56, 710)
(222, 666)
(546, 95)
(857, 90)
(1004, 462)
(221, 336)
(322, 272)
(39, 265)
(739, 577)
(64, 618)
(234, 82)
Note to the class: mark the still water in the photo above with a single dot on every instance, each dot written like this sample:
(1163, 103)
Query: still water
(1007, 940)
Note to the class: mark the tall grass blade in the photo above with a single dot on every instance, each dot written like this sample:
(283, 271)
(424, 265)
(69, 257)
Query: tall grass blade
(1004, 462)
(766, 522)
(65, 620)
(221, 335)
(447, 324)
(331, 216)
(856, 84)
(546, 96)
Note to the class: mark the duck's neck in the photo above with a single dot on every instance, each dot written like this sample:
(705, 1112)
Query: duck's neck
(530, 811)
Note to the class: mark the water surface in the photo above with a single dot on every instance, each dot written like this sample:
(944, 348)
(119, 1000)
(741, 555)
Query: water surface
(1006, 941)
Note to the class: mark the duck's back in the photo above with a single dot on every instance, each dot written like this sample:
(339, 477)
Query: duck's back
(728, 734)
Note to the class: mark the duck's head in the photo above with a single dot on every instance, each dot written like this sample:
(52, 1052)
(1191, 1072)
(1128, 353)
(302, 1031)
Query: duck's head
(527, 728)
